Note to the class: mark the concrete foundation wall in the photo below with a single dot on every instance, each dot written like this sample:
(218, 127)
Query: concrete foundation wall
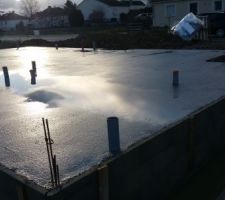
(85, 188)
(158, 166)
(151, 169)
(14, 188)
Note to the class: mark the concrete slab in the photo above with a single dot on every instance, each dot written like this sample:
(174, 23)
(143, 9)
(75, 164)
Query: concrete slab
(78, 91)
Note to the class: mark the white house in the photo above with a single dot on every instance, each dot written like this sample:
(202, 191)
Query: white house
(110, 8)
(51, 17)
(10, 21)
(169, 12)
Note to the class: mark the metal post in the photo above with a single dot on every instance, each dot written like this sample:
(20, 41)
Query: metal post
(82, 45)
(6, 76)
(113, 135)
(94, 45)
(56, 46)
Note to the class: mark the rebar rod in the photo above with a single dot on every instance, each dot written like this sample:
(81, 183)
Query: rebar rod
(50, 141)
(55, 170)
(47, 146)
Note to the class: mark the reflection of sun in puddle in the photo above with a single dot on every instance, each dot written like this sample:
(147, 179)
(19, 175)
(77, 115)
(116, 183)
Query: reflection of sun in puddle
(35, 107)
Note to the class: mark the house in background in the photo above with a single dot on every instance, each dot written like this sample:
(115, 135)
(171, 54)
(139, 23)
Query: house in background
(10, 21)
(112, 9)
(52, 17)
(169, 12)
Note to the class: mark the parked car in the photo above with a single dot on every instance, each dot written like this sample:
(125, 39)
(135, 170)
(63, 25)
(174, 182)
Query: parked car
(216, 23)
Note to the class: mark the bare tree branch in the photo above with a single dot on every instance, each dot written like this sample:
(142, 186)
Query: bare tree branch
(29, 7)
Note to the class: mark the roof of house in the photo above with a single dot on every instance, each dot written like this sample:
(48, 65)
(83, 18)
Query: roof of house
(166, 1)
(12, 16)
(51, 11)
(122, 3)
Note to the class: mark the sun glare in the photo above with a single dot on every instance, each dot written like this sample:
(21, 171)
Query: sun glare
(35, 107)
(40, 56)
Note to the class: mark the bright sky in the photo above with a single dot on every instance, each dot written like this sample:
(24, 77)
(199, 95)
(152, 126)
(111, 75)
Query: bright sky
(10, 5)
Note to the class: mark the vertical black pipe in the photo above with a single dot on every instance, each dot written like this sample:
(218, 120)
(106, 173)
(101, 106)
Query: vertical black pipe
(94, 45)
(56, 46)
(33, 77)
(34, 68)
(6, 76)
(175, 78)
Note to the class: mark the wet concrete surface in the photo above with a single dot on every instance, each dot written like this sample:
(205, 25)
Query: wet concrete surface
(77, 91)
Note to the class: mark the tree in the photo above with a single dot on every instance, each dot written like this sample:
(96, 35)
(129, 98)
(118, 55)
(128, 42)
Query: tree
(70, 6)
(75, 16)
(29, 7)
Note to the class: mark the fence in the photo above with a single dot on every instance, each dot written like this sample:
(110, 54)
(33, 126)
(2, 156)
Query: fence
(203, 34)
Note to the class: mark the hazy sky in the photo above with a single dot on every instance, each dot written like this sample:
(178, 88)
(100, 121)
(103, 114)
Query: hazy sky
(10, 5)
(15, 4)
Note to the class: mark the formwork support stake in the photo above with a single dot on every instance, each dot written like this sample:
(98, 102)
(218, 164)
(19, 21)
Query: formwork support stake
(103, 183)
(21, 193)
(191, 146)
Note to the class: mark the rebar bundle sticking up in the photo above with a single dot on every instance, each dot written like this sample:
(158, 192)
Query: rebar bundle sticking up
(53, 166)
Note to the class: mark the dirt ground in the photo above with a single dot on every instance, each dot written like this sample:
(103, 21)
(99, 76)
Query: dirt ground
(114, 39)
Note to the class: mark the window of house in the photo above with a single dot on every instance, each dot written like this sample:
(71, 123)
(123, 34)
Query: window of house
(193, 8)
(217, 5)
(170, 10)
